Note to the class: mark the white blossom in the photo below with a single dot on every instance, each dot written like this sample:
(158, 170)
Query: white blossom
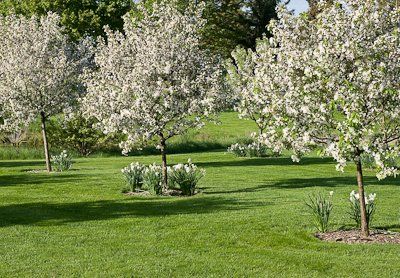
(39, 70)
(338, 79)
(254, 77)
(155, 81)
(38, 67)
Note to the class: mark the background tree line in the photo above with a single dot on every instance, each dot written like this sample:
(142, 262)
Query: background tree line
(229, 22)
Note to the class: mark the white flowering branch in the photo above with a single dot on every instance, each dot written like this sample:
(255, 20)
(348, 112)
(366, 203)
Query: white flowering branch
(155, 81)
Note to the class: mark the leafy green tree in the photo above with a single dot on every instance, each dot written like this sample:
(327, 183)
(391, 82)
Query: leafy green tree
(75, 133)
(80, 17)
(231, 22)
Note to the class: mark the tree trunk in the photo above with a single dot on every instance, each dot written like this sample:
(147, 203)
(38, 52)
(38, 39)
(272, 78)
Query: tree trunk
(360, 182)
(164, 165)
(45, 143)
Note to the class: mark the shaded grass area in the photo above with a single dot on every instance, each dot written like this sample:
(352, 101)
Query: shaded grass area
(248, 221)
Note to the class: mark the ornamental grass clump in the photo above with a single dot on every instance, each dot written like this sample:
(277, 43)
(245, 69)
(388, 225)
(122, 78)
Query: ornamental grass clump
(186, 176)
(62, 162)
(152, 179)
(321, 208)
(134, 176)
(355, 211)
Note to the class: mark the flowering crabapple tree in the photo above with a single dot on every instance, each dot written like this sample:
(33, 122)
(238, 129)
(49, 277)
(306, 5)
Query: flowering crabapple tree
(254, 77)
(341, 85)
(39, 70)
(156, 81)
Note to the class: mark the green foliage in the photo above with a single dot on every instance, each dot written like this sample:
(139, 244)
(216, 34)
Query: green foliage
(211, 137)
(315, 9)
(79, 134)
(321, 208)
(140, 177)
(80, 17)
(11, 153)
(230, 22)
(251, 150)
(368, 161)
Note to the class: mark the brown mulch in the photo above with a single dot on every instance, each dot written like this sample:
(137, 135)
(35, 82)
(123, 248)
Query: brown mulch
(170, 192)
(137, 193)
(354, 236)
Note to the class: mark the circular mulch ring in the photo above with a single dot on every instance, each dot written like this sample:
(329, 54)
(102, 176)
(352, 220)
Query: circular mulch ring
(137, 193)
(354, 236)
(169, 192)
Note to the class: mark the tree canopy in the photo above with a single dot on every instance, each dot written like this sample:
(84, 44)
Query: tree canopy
(231, 22)
(156, 81)
(330, 82)
(79, 17)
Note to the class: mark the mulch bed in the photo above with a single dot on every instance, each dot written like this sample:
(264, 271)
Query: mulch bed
(137, 193)
(354, 236)
(170, 192)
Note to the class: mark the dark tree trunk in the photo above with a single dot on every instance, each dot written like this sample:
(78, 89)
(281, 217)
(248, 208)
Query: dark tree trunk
(360, 182)
(45, 143)
(164, 164)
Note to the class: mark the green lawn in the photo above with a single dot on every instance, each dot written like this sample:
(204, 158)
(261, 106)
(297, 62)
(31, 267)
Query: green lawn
(249, 221)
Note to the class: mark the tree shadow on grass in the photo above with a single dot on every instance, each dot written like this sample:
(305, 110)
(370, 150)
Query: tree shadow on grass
(267, 161)
(37, 179)
(330, 182)
(311, 182)
(48, 214)
(21, 163)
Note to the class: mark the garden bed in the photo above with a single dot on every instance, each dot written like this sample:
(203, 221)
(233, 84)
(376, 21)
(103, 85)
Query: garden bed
(169, 192)
(354, 236)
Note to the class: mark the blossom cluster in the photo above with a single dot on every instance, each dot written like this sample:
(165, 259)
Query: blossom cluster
(142, 177)
(39, 69)
(355, 207)
(249, 150)
(331, 82)
(155, 80)
(186, 176)
(355, 197)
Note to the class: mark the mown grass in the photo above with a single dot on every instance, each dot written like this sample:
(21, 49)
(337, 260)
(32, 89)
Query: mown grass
(249, 221)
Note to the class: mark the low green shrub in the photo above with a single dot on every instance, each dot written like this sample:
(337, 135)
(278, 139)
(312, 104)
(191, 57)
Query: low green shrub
(251, 150)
